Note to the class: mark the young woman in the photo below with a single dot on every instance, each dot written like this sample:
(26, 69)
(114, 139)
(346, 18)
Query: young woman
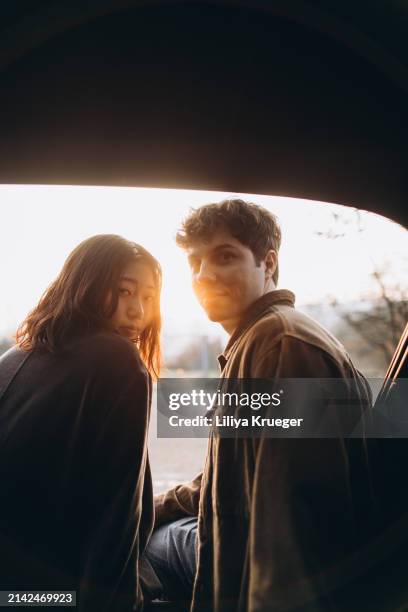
(75, 494)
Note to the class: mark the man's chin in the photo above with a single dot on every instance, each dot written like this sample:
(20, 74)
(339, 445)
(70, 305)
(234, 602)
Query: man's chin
(215, 315)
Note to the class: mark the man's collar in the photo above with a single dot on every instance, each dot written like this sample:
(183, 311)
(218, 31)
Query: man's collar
(255, 312)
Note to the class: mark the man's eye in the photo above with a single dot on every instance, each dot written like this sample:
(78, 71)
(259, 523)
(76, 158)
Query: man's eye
(149, 298)
(224, 257)
(124, 292)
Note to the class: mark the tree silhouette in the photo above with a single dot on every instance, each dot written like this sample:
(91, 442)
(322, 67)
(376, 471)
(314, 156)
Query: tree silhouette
(382, 317)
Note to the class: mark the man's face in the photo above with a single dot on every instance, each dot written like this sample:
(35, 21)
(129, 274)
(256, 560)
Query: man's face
(226, 279)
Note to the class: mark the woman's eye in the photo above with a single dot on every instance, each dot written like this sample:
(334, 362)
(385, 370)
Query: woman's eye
(124, 292)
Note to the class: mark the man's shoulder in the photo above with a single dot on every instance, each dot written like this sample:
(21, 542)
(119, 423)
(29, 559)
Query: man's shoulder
(285, 322)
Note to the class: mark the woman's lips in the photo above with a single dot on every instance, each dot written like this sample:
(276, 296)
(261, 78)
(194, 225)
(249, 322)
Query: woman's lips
(130, 331)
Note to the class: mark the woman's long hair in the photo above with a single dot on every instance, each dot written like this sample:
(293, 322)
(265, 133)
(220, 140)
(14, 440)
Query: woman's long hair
(85, 295)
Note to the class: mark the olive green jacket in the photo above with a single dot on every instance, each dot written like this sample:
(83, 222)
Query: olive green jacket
(278, 518)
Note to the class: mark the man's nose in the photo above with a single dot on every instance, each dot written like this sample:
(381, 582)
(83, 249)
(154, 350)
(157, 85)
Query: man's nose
(205, 273)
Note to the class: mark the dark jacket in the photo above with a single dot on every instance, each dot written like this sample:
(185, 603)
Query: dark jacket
(279, 519)
(75, 493)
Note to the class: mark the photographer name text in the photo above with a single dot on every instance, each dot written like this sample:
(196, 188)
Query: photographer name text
(232, 422)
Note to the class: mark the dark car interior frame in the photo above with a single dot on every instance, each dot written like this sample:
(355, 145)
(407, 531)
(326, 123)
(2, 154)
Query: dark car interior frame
(304, 99)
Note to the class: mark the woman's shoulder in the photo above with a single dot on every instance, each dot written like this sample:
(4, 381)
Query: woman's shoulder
(105, 340)
(107, 349)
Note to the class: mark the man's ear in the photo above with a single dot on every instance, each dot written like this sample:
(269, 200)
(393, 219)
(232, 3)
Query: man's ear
(271, 261)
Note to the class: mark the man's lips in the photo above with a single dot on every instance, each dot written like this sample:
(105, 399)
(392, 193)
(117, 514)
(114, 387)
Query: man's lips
(213, 295)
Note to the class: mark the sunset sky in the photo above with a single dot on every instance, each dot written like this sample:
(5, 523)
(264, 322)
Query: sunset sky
(42, 224)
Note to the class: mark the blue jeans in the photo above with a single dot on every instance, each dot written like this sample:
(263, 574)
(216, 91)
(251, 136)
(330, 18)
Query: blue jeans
(171, 553)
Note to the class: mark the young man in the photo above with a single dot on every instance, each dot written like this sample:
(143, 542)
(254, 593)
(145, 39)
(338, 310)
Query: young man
(277, 518)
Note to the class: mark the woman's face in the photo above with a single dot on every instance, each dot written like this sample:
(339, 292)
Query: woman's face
(137, 296)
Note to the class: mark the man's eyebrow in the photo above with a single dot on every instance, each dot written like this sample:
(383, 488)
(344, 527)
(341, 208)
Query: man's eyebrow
(134, 281)
(224, 246)
(219, 247)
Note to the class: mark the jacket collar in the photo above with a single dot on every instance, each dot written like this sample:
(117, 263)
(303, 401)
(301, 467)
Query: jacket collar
(256, 311)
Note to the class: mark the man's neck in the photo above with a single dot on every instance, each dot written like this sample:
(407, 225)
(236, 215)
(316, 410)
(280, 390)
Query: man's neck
(230, 325)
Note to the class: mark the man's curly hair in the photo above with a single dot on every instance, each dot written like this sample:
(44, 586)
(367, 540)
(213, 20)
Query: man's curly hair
(253, 225)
